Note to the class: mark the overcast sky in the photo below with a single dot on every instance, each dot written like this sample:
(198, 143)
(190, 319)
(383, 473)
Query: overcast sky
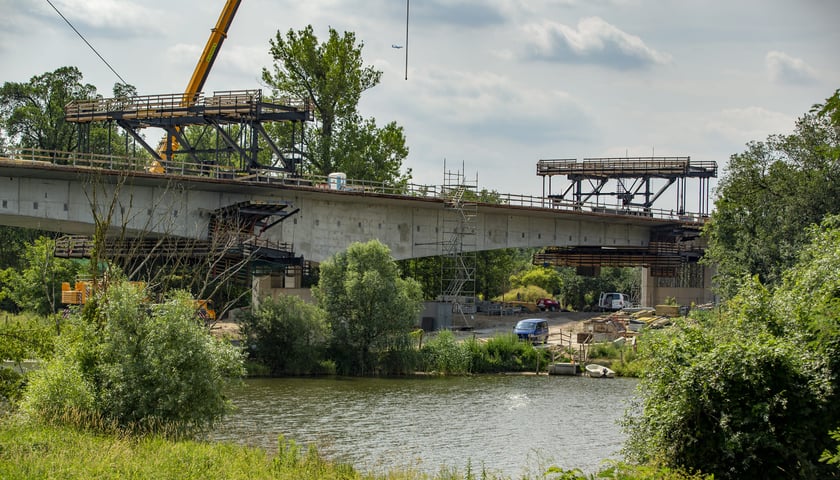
(493, 85)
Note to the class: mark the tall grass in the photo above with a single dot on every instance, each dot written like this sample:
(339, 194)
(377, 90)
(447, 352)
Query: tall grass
(29, 450)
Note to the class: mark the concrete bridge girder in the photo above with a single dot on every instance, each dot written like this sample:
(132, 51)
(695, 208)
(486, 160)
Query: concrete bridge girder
(59, 199)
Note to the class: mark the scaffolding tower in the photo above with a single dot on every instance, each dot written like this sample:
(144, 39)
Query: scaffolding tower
(458, 263)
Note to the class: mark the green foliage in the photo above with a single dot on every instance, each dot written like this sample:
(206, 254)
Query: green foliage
(505, 353)
(579, 292)
(530, 293)
(14, 244)
(544, 277)
(136, 368)
(332, 76)
(371, 309)
(445, 355)
(287, 335)
(425, 271)
(494, 267)
(770, 194)
(60, 388)
(32, 113)
(737, 410)
(752, 389)
(492, 275)
(35, 286)
(832, 457)
(22, 337)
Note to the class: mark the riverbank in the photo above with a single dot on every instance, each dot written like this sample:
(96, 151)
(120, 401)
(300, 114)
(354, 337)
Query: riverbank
(32, 451)
(560, 325)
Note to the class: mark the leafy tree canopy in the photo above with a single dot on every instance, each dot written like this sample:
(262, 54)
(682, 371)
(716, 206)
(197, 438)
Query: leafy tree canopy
(544, 277)
(35, 284)
(287, 335)
(370, 307)
(770, 194)
(332, 76)
(751, 389)
(32, 113)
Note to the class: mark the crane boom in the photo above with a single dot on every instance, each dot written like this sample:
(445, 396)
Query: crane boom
(211, 49)
(202, 69)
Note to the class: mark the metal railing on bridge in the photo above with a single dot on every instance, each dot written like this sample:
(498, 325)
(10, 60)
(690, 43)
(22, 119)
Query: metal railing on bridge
(211, 171)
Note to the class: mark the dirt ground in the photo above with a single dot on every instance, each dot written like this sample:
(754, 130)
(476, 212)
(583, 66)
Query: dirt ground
(562, 326)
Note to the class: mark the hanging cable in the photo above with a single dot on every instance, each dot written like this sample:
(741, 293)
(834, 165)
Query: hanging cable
(88, 43)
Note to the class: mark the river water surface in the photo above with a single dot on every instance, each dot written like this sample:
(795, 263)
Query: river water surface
(511, 425)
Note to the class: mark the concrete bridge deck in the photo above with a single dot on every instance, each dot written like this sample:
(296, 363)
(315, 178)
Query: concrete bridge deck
(70, 192)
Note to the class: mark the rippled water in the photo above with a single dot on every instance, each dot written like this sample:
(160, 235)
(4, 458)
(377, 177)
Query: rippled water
(508, 424)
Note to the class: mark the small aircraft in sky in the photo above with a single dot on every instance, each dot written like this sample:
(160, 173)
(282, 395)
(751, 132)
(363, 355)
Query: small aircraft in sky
(396, 46)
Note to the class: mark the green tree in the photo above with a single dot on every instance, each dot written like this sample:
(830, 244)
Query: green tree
(544, 277)
(22, 337)
(149, 369)
(35, 286)
(371, 309)
(14, 244)
(770, 194)
(108, 138)
(752, 389)
(331, 75)
(32, 113)
(287, 335)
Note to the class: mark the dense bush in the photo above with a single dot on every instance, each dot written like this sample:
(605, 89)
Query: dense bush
(504, 353)
(445, 355)
(287, 335)
(753, 389)
(136, 367)
(22, 337)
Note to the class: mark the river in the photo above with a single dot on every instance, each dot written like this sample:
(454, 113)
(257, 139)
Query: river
(513, 425)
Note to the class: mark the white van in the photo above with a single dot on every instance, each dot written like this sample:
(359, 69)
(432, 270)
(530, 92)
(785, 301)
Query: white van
(613, 301)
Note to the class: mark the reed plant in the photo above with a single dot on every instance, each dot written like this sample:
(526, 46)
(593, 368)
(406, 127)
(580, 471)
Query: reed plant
(443, 354)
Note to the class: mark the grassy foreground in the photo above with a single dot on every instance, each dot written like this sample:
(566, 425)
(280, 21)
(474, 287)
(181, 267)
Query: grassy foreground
(30, 451)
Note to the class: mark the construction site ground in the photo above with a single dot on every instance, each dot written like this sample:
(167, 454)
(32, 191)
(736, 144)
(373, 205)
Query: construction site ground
(562, 326)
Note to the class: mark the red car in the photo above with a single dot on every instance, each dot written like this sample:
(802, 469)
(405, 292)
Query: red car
(548, 304)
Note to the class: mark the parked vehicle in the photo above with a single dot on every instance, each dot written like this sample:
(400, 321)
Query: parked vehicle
(548, 304)
(534, 330)
(613, 301)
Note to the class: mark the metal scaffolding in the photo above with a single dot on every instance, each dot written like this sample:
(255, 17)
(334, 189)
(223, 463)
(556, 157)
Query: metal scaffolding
(638, 182)
(235, 117)
(458, 263)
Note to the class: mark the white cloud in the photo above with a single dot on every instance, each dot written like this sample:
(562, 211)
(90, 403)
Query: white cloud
(489, 105)
(112, 17)
(785, 69)
(244, 60)
(593, 41)
(741, 125)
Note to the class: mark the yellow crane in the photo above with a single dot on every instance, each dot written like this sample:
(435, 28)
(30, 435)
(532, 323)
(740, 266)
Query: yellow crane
(169, 144)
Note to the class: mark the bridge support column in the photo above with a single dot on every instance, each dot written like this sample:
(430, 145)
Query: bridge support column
(691, 286)
(273, 285)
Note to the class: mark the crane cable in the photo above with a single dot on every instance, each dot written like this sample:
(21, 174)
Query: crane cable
(88, 43)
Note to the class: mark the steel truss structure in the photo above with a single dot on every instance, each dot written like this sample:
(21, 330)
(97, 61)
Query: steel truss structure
(670, 248)
(634, 180)
(236, 117)
(233, 240)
